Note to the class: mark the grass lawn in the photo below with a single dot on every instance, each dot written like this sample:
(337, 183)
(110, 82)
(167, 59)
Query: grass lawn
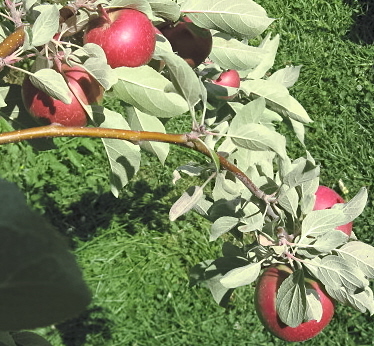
(136, 261)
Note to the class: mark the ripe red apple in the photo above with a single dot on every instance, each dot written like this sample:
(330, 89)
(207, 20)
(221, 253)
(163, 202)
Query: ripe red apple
(228, 78)
(265, 303)
(127, 37)
(48, 110)
(325, 199)
(189, 41)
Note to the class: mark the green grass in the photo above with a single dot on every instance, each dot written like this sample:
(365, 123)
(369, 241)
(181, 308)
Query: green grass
(136, 261)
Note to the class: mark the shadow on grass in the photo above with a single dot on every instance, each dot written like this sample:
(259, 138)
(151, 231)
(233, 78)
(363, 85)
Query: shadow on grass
(362, 31)
(141, 206)
(75, 332)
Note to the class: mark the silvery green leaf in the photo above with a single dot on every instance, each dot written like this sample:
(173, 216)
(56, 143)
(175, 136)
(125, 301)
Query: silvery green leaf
(330, 240)
(167, 9)
(249, 113)
(220, 293)
(286, 76)
(314, 309)
(225, 188)
(302, 171)
(259, 138)
(186, 202)
(3, 93)
(145, 89)
(140, 5)
(140, 121)
(308, 190)
(359, 254)
(289, 201)
(230, 53)
(318, 222)
(46, 24)
(362, 301)
(53, 84)
(75, 23)
(183, 78)
(299, 129)
(354, 207)
(241, 17)
(291, 299)
(221, 226)
(270, 45)
(124, 157)
(241, 276)
(336, 272)
(277, 98)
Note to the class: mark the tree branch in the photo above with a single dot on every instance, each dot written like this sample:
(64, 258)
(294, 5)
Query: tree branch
(135, 137)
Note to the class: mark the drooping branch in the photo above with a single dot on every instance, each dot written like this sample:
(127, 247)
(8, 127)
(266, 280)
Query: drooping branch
(185, 140)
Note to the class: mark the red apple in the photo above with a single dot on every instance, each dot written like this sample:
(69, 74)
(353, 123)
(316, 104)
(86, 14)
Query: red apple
(325, 199)
(127, 37)
(189, 41)
(265, 303)
(48, 110)
(228, 78)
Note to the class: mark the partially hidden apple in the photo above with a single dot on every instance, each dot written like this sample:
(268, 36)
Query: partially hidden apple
(325, 199)
(127, 36)
(189, 41)
(265, 303)
(48, 110)
(229, 78)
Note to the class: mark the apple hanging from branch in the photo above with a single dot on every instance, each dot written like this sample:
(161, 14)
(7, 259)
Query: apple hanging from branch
(325, 199)
(265, 303)
(189, 41)
(48, 110)
(126, 35)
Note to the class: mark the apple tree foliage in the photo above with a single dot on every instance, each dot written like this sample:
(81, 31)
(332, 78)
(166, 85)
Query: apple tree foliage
(250, 187)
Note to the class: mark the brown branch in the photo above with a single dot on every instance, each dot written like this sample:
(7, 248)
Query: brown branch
(11, 43)
(184, 140)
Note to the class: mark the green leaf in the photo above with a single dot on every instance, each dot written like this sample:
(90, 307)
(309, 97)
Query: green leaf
(124, 157)
(289, 201)
(140, 5)
(330, 240)
(318, 221)
(286, 76)
(53, 84)
(314, 309)
(335, 272)
(291, 299)
(259, 138)
(183, 78)
(221, 226)
(229, 53)
(241, 276)
(95, 63)
(140, 121)
(270, 46)
(26, 338)
(6, 339)
(241, 17)
(302, 171)
(362, 301)
(186, 202)
(75, 23)
(277, 98)
(46, 24)
(40, 282)
(167, 9)
(359, 254)
(145, 89)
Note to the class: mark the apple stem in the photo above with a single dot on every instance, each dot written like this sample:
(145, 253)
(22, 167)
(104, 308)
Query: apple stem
(104, 13)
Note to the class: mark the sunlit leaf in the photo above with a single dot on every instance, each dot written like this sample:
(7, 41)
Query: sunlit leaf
(241, 276)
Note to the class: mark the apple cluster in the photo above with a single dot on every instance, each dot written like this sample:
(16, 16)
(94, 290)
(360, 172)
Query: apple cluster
(128, 38)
